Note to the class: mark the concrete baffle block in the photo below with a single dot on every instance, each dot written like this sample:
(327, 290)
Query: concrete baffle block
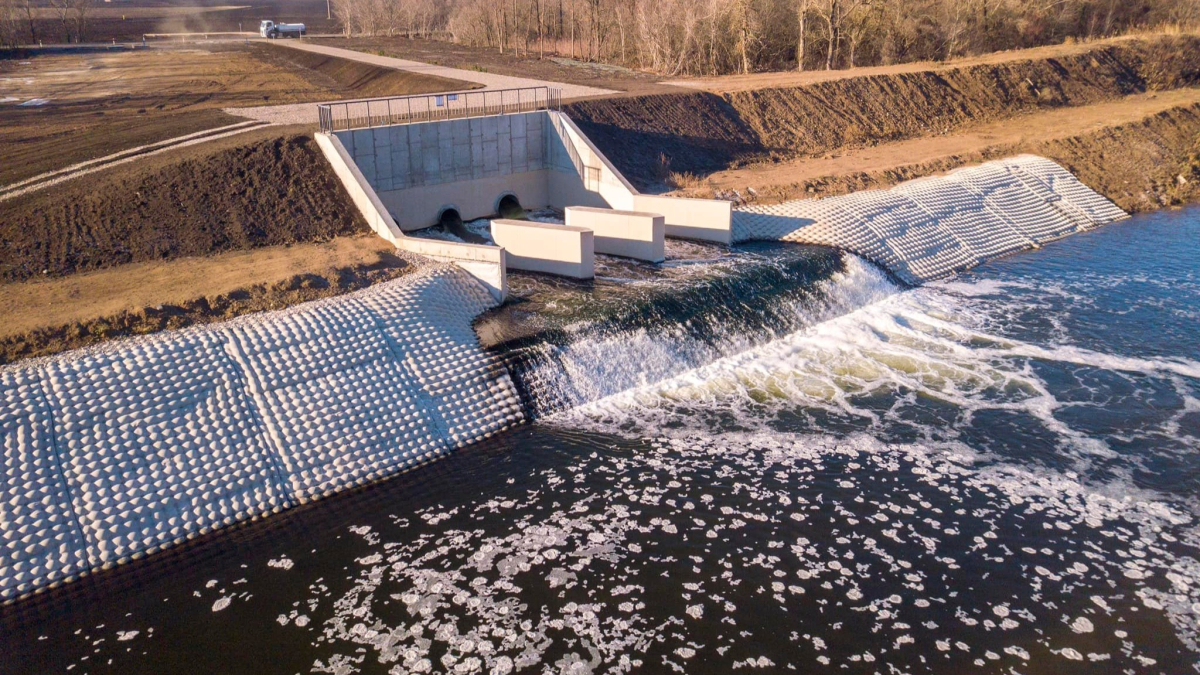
(542, 247)
(629, 234)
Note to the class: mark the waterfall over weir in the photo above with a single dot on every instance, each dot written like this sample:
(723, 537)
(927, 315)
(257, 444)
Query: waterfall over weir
(931, 228)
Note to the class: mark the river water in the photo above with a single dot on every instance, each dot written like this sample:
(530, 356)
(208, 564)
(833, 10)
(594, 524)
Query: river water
(801, 466)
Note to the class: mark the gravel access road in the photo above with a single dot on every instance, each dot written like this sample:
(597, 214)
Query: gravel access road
(306, 113)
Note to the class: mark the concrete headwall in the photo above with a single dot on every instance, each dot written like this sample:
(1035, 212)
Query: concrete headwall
(467, 164)
(930, 228)
(116, 452)
(419, 170)
(485, 263)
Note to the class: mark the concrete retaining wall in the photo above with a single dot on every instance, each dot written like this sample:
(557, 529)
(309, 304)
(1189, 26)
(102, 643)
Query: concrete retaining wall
(419, 170)
(485, 263)
(116, 452)
(631, 234)
(543, 247)
(930, 228)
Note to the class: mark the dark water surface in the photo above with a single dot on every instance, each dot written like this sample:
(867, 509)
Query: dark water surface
(994, 474)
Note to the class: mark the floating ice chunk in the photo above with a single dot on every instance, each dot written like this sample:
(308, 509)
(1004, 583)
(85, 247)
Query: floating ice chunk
(1082, 625)
(126, 635)
(284, 563)
(1071, 654)
(221, 604)
(1017, 652)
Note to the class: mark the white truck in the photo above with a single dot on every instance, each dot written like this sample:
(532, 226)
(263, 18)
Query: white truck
(272, 30)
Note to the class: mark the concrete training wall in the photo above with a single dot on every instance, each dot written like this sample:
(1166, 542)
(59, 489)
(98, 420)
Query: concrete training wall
(930, 228)
(631, 234)
(115, 452)
(485, 263)
(541, 247)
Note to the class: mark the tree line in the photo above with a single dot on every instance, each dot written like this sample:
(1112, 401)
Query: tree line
(20, 21)
(715, 37)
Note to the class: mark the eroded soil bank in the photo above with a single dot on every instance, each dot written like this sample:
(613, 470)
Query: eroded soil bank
(1143, 165)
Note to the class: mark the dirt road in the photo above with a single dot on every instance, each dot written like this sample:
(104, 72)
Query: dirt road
(307, 114)
(785, 79)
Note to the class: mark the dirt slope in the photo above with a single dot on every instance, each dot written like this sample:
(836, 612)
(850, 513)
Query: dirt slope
(740, 127)
(1142, 165)
(259, 189)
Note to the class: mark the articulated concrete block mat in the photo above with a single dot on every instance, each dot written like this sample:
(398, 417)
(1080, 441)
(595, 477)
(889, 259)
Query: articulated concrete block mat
(428, 325)
(40, 541)
(158, 443)
(117, 451)
(933, 227)
(338, 406)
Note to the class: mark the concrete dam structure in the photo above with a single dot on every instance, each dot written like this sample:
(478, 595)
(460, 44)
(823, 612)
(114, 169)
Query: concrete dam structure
(116, 452)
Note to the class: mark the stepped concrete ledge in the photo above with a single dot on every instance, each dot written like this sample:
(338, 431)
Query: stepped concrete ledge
(115, 452)
(931, 228)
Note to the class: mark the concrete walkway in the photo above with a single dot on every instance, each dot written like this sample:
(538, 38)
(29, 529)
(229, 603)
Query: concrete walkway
(306, 113)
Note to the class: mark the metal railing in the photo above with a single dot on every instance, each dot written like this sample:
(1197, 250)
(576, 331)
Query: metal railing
(379, 112)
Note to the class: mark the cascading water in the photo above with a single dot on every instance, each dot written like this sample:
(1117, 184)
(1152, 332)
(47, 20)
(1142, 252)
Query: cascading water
(567, 344)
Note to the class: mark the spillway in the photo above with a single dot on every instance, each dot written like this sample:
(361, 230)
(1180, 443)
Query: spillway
(115, 452)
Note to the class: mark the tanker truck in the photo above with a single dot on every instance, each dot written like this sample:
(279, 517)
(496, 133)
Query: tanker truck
(272, 30)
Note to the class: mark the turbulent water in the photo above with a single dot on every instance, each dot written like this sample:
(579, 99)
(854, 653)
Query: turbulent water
(994, 474)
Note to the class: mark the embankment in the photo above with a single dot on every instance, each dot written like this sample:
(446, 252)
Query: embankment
(356, 79)
(1141, 166)
(260, 189)
(702, 132)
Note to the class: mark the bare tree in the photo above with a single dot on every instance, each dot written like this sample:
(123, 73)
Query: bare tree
(713, 37)
(80, 9)
(802, 8)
